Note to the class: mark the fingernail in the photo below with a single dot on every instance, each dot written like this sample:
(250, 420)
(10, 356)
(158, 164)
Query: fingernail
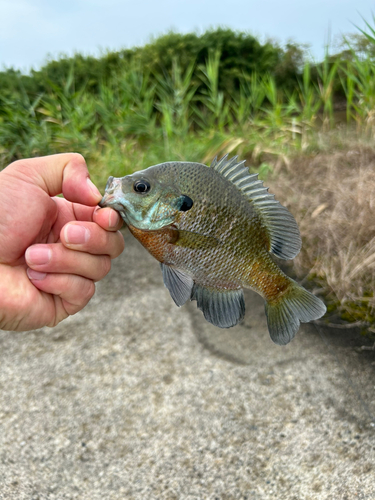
(114, 219)
(38, 255)
(93, 188)
(35, 275)
(76, 235)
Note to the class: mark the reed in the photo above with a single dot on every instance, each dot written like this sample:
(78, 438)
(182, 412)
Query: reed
(163, 113)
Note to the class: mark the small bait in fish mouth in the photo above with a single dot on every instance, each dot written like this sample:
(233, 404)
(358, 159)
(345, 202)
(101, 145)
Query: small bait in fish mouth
(213, 229)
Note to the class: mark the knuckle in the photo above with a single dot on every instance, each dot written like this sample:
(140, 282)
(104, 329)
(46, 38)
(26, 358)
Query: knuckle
(19, 166)
(86, 292)
(89, 290)
(15, 163)
(120, 244)
(81, 291)
(105, 266)
(77, 158)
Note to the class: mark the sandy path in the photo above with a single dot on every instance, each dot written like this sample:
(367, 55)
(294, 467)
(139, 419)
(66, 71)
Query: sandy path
(135, 398)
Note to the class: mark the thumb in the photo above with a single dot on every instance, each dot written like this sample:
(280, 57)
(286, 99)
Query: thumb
(62, 173)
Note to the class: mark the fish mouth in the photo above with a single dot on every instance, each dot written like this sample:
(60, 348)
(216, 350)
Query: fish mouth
(102, 203)
(115, 200)
(106, 201)
(111, 201)
(113, 196)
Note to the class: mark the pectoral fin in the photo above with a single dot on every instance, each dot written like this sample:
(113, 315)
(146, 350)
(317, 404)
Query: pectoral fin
(178, 283)
(221, 308)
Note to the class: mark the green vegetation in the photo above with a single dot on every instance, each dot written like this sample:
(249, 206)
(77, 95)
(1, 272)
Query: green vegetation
(182, 96)
(190, 97)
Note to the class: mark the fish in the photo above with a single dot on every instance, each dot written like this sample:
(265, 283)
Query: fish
(214, 230)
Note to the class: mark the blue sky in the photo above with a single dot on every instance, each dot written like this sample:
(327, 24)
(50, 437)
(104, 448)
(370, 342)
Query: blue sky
(32, 29)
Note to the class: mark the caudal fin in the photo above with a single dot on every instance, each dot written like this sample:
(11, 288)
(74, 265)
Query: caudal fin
(295, 307)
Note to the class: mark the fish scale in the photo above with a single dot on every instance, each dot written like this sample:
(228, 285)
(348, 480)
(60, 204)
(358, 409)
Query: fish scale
(213, 230)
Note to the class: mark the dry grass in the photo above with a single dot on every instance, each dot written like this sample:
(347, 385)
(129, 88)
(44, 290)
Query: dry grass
(332, 196)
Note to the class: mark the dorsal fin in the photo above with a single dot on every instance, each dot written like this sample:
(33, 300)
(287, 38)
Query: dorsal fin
(279, 222)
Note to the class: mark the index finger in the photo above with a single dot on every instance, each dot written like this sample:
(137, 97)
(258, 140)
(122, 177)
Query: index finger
(64, 173)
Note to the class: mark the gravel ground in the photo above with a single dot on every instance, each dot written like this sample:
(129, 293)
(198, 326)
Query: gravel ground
(134, 398)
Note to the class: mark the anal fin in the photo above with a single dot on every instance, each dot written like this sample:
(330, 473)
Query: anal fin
(222, 308)
(179, 284)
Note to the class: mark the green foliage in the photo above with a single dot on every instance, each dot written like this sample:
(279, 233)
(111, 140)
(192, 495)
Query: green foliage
(241, 54)
(21, 131)
(183, 96)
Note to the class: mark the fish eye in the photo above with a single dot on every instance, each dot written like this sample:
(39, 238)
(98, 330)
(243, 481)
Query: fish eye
(187, 203)
(141, 186)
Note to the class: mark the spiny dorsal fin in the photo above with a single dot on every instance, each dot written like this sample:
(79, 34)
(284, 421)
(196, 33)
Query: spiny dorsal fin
(280, 223)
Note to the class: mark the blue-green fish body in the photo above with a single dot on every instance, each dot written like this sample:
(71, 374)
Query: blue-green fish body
(213, 229)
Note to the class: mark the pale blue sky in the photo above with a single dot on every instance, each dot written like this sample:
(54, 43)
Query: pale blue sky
(32, 29)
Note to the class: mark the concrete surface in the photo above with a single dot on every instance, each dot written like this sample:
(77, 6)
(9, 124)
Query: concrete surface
(134, 398)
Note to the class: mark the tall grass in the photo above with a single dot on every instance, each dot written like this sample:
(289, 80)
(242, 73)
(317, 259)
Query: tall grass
(161, 115)
(332, 196)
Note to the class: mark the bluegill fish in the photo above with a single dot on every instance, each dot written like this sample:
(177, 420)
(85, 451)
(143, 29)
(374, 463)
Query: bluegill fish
(212, 229)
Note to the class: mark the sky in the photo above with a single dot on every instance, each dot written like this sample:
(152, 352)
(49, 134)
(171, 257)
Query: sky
(34, 30)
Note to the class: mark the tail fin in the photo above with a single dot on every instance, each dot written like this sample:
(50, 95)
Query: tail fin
(296, 306)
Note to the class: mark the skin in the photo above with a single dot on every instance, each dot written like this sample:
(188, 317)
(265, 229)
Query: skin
(52, 250)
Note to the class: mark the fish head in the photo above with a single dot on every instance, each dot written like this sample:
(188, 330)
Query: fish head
(145, 200)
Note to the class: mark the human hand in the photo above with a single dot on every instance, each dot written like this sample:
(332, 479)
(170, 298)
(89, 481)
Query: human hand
(52, 250)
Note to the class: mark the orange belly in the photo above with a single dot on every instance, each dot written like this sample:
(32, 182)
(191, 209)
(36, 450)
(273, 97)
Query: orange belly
(156, 241)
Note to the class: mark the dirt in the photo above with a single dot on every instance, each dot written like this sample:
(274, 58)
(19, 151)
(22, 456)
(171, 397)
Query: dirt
(134, 398)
